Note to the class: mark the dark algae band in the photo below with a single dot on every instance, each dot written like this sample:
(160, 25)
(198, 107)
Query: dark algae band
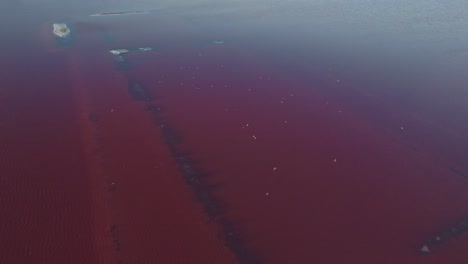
(138, 91)
(214, 209)
(441, 237)
(459, 173)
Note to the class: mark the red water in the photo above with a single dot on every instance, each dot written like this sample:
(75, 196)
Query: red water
(309, 169)
(77, 189)
(308, 178)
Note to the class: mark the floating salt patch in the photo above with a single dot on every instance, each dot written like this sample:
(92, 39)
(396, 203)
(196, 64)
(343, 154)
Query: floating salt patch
(145, 49)
(119, 51)
(425, 249)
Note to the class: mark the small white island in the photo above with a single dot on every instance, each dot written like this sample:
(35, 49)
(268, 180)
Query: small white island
(61, 30)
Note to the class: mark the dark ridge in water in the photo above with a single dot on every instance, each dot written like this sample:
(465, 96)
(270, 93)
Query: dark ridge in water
(170, 137)
(153, 109)
(230, 236)
(443, 236)
(459, 173)
(121, 64)
(192, 176)
(137, 91)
